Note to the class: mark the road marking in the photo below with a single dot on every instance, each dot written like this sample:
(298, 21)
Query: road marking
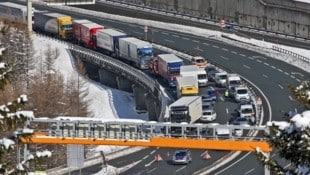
(225, 49)
(197, 48)
(146, 165)
(195, 41)
(273, 67)
(185, 38)
(248, 67)
(227, 111)
(180, 169)
(280, 86)
(145, 157)
(152, 170)
(232, 164)
(297, 79)
(286, 73)
(140, 33)
(265, 76)
(266, 64)
(280, 70)
(170, 41)
(206, 44)
(225, 58)
(251, 58)
(242, 55)
(222, 99)
(297, 73)
(177, 36)
(260, 61)
(292, 76)
(164, 33)
(153, 152)
(215, 46)
(291, 98)
(234, 52)
(249, 171)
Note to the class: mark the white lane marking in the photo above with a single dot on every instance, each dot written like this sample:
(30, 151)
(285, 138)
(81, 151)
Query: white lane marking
(291, 98)
(151, 170)
(234, 52)
(177, 36)
(273, 67)
(266, 64)
(227, 112)
(145, 157)
(248, 172)
(180, 169)
(225, 58)
(146, 165)
(225, 49)
(265, 76)
(215, 46)
(242, 55)
(248, 67)
(280, 86)
(197, 48)
(164, 33)
(170, 41)
(152, 152)
(292, 76)
(251, 58)
(297, 79)
(233, 164)
(140, 33)
(195, 41)
(286, 73)
(185, 38)
(206, 44)
(260, 61)
(222, 99)
(280, 70)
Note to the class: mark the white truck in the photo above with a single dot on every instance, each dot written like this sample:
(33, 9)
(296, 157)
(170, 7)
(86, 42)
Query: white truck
(14, 12)
(135, 51)
(221, 79)
(107, 41)
(186, 86)
(193, 70)
(186, 109)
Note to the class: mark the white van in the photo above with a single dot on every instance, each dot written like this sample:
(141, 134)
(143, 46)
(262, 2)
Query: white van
(202, 77)
(220, 79)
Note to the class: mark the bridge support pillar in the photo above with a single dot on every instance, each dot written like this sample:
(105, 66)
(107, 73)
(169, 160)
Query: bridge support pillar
(150, 104)
(107, 78)
(124, 84)
(139, 95)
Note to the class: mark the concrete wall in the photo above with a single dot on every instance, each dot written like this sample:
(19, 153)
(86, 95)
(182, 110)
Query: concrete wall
(285, 16)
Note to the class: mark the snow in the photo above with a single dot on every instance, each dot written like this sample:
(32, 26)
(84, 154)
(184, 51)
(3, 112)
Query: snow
(45, 153)
(7, 143)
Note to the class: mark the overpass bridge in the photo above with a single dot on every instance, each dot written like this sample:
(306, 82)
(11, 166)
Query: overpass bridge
(132, 132)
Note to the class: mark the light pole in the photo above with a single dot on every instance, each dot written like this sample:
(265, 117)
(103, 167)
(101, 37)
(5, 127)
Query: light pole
(29, 16)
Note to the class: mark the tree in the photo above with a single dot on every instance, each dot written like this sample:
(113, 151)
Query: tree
(301, 93)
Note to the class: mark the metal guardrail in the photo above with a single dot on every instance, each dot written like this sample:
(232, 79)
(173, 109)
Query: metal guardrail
(300, 57)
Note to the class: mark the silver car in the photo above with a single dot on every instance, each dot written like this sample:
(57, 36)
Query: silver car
(182, 156)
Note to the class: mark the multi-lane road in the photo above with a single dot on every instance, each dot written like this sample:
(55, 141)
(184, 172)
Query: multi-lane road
(270, 75)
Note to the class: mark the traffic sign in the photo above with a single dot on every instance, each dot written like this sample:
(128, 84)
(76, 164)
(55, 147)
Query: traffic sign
(222, 23)
(145, 28)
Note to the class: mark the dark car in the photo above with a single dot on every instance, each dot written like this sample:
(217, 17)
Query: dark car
(239, 121)
(211, 71)
(210, 96)
(182, 156)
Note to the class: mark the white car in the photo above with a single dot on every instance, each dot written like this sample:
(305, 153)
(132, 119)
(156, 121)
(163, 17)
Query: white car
(208, 115)
(242, 94)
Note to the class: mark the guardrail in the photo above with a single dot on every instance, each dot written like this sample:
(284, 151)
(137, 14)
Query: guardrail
(300, 57)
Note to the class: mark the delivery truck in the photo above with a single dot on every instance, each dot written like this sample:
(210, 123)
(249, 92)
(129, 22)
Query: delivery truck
(193, 70)
(186, 109)
(167, 66)
(135, 51)
(88, 33)
(107, 41)
(14, 12)
(55, 24)
(76, 29)
(187, 86)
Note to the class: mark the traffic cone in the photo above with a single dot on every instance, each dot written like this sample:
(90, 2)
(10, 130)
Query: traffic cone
(168, 154)
(206, 155)
(158, 158)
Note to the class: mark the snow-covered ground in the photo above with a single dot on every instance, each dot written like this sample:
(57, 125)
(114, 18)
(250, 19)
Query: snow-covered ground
(105, 102)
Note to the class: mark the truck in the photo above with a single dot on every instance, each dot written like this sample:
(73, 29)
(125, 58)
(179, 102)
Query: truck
(135, 51)
(14, 12)
(233, 80)
(186, 109)
(107, 41)
(76, 28)
(193, 70)
(55, 24)
(166, 66)
(88, 33)
(187, 85)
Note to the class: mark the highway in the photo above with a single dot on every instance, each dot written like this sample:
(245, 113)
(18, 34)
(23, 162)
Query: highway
(270, 75)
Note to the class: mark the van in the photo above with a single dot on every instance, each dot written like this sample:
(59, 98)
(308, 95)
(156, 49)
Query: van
(220, 79)
(202, 77)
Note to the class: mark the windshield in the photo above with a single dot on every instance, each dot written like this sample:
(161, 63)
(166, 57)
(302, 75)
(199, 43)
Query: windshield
(246, 111)
(223, 77)
(174, 71)
(234, 82)
(66, 27)
(242, 91)
(202, 76)
(200, 60)
(146, 52)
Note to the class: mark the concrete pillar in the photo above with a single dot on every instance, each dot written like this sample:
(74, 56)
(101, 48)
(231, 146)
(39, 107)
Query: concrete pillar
(124, 84)
(29, 16)
(107, 78)
(139, 95)
(150, 104)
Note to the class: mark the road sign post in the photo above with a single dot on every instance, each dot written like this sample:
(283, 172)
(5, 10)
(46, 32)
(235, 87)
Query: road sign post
(145, 31)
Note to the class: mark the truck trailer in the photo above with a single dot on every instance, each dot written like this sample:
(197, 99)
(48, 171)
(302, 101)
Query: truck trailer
(186, 109)
(135, 51)
(107, 41)
(76, 28)
(193, 70)
(167, 66)
(14, 12)
(88, 33)
(187, 86)
(55, 24)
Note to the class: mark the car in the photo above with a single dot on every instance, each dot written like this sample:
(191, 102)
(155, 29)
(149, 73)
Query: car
(211, 95)
(211, 71)
(199, 61)
(241, 94)
(239, 121)
(221, 79)
(208, 115)
(182, 156)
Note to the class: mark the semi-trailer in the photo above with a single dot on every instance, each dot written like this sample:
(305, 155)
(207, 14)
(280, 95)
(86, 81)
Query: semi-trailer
(88, 35)
(14, 12)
